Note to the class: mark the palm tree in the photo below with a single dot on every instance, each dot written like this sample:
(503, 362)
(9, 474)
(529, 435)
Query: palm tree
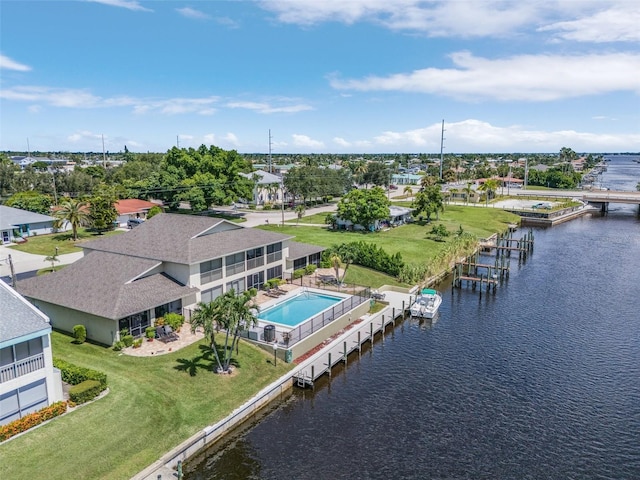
(53, 259)
(299, 212)
(467, 192)
(336, 264)
(490, 186)
(74, 212)
(408, 191)
(428, 181)
(231, 313)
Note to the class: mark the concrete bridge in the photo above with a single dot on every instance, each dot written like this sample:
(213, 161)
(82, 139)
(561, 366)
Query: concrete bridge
(600, 198)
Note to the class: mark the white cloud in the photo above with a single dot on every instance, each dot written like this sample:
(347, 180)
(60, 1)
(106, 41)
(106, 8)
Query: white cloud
(61, 97)
(306, 142)
(619, 23)
(341, 141)
(133, 5)
(75, 98)
(524, 78)
(478, 136)
(266, 108)
(174, 106)
(189, 12)
(232, 139)
(468, 18)
(7, 63)
(84, 135)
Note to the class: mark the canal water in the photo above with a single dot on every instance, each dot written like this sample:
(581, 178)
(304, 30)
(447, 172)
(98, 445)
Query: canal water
(539, 380)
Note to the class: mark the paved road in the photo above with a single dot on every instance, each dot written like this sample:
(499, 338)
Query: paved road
(28, 262)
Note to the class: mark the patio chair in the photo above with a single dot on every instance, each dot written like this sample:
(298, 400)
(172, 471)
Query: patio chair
(271, 293)
(167, 334)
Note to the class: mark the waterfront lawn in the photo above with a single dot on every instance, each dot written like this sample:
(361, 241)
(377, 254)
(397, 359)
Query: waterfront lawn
(153, 404)
(46, 244)
(411, 240)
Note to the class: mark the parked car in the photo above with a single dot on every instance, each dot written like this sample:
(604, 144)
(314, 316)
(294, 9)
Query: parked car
(393, 187)
(134, 222)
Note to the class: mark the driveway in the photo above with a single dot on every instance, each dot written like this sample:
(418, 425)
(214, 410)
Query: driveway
(28, 262)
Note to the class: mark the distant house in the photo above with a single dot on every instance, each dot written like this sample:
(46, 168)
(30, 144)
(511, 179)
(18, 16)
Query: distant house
(267, 188)
(405, 179)
(131, 208)
(167, 264)
(28, 380)
(15, 224)
(397, 216)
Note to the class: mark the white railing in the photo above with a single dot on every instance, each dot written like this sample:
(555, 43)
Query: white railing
(23, 367)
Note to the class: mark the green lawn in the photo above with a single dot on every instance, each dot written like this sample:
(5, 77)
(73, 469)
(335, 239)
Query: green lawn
(410, 240)
(46, 244)
(153, 405)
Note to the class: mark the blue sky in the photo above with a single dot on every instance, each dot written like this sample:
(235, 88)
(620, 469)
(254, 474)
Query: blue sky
(329, 76)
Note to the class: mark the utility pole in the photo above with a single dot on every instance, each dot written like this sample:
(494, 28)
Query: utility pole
(13, 272)
(269, 170)
(526, 172)
(104, 157)
(178, 141)
(441, 148)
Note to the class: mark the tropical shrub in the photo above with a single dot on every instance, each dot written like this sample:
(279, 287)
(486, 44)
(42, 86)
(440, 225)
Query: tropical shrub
(117, 346)
(73, 374)
(85, 391)
(127, 340)
(299, 273)
(79, 333)
(31, 420)
(174, 320)
(150, 333)
(309, 269)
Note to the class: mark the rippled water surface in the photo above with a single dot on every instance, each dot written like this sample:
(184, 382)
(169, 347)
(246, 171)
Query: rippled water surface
(540, 380)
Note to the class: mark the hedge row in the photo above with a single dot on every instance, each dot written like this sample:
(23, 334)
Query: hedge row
(73, 374)
(85, 391)
(31, 420)
(371, 256)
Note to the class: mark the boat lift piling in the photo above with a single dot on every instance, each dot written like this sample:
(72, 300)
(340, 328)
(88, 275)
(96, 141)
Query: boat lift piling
(471, 272)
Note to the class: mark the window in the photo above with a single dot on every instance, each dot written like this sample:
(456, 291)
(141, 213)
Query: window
(136, 324)
(255, 258)
(171, 307)
(234, 263)
(23, 401)
(256, 280)
(274, 272)
(300, 263)
(315, 258)
(274, 252)
(210, 295)
(210, 271)
(236, 285)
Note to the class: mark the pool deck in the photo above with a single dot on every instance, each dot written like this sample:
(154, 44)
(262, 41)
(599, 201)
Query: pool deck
(330, 353)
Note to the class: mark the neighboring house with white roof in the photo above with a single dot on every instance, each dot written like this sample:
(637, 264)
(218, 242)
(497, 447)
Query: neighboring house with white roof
(267, 189)
(397, 216)
(28, 380)
(16, 223)
(167, 264)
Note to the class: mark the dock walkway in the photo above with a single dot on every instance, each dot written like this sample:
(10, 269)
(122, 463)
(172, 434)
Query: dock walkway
(352, 339)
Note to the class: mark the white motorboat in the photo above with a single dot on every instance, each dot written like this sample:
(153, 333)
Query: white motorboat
(426, 304)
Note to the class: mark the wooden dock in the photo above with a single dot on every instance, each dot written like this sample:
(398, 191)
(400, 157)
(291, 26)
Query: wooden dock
(471, 271)
(352, 340)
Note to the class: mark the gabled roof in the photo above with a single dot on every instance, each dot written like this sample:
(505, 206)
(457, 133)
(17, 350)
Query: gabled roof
(107, 285)
(264, 178)
(299, 250)
(19, 318)
(132, 205)
(185, 239)
(11, 217)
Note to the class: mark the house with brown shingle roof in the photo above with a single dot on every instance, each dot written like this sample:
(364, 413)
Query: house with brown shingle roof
(167, 264)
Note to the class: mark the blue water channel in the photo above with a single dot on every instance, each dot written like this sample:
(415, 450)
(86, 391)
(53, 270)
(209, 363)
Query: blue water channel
(540, 380)
(294, 311)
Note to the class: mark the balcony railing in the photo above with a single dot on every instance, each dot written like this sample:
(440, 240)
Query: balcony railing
(22, 367)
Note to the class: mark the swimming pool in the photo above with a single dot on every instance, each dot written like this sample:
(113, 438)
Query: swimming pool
(294, 311)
